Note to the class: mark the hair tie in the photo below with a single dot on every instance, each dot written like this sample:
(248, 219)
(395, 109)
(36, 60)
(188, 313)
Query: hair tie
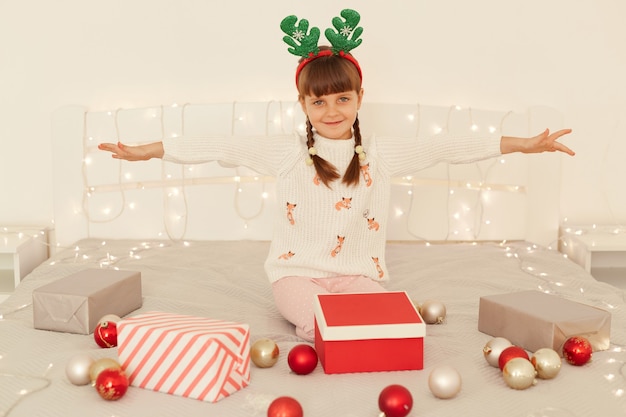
(360, 152)
(312, 152)
(303, 42)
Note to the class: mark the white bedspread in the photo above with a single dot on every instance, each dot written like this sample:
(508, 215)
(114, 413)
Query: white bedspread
(225, 280)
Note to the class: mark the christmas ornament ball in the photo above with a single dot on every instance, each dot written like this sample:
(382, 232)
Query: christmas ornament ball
(577, 350)
(112, 384)
(433, 312)
(494, 348)
(100, 365)
(105, 334)
(77, 369)
(114, 318)
(519, 373)
(444, 382)
(264, 353)
(302, 359)
(547, 363)
(395, 401)
(510, 353)
(285, 407)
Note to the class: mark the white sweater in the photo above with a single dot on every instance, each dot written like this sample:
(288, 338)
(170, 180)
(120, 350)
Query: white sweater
(321, 232)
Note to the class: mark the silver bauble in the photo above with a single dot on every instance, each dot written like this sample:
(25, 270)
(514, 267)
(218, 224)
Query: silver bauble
(77, 369)
(494, 348)
(444, 382)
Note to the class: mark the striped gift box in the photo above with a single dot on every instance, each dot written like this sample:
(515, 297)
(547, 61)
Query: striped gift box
(183, 355)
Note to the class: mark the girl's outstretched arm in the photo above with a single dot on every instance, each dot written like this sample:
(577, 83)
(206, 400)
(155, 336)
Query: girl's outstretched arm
(133, 153)
(543, 142)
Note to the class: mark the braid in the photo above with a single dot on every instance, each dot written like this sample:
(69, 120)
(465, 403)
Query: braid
(353, 172)
(326, 171)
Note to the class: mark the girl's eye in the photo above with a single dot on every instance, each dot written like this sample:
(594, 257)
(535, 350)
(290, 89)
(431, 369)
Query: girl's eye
(344, 99)
(317, 102)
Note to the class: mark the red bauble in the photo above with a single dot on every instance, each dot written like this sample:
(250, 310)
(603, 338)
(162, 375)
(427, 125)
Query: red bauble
(302, 359)
(105, 334)
(285, 407)
(510, 353)
(395, 401)
(111, 384)
(577, 350)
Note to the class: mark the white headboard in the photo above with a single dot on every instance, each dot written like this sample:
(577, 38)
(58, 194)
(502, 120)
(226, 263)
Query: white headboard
(514, 197)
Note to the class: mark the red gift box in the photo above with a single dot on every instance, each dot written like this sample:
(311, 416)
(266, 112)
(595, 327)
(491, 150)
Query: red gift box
(182, 355)
(368, 332)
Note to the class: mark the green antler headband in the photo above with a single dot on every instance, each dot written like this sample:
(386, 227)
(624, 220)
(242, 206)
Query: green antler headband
(303, 42)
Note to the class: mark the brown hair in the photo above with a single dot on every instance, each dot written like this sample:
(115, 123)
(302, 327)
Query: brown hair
(330, 75)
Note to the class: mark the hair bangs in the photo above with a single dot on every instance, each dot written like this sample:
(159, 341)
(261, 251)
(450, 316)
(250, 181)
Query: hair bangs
(328, 75)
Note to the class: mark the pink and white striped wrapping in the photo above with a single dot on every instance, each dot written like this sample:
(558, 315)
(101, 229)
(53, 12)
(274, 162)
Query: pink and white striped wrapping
(182, 355)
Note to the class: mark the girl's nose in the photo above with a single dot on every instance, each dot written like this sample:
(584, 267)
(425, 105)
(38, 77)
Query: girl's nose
(331, 108)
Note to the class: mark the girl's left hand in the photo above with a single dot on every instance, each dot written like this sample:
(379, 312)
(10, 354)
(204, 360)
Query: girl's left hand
(548, 142)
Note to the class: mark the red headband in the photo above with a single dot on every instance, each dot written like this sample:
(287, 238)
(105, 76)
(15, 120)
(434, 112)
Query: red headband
(327, 52)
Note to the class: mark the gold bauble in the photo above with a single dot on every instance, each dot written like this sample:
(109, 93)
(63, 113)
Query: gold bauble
(547, 363)
(264, 353)
(433, 312)
(519, 373)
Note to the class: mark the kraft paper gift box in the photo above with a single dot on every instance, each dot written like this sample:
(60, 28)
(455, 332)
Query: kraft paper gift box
(76, 303)
(534, 320)
(368, 332)
(183, 355)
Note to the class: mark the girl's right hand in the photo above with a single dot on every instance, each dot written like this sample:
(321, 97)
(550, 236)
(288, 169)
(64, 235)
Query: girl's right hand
(133, 153)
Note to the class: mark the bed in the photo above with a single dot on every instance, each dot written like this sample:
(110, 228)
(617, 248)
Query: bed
(456, 233)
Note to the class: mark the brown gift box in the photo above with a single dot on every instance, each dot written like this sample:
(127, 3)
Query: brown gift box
(76, 303)
(534, 320)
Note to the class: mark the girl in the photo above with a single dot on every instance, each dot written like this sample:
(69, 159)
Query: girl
(333, 186)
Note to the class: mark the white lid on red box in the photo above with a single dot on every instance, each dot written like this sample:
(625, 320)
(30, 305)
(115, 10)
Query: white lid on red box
(360, 316)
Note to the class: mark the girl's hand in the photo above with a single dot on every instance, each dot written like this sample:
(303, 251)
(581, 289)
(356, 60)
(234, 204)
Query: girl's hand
(133, 153)
(546, 142)
(543, 142)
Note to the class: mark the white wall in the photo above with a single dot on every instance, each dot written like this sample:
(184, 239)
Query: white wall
(484, 53)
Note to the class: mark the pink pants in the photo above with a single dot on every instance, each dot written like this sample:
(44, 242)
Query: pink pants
(294, 297)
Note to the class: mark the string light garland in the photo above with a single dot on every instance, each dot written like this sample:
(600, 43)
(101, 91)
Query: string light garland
(483, 185)
(471, 216)
(23, 393)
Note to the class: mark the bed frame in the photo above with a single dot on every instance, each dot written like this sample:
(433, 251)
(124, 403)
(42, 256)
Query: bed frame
(513, 197)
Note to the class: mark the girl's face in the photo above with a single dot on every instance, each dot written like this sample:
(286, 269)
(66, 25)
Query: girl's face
(333, 115)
